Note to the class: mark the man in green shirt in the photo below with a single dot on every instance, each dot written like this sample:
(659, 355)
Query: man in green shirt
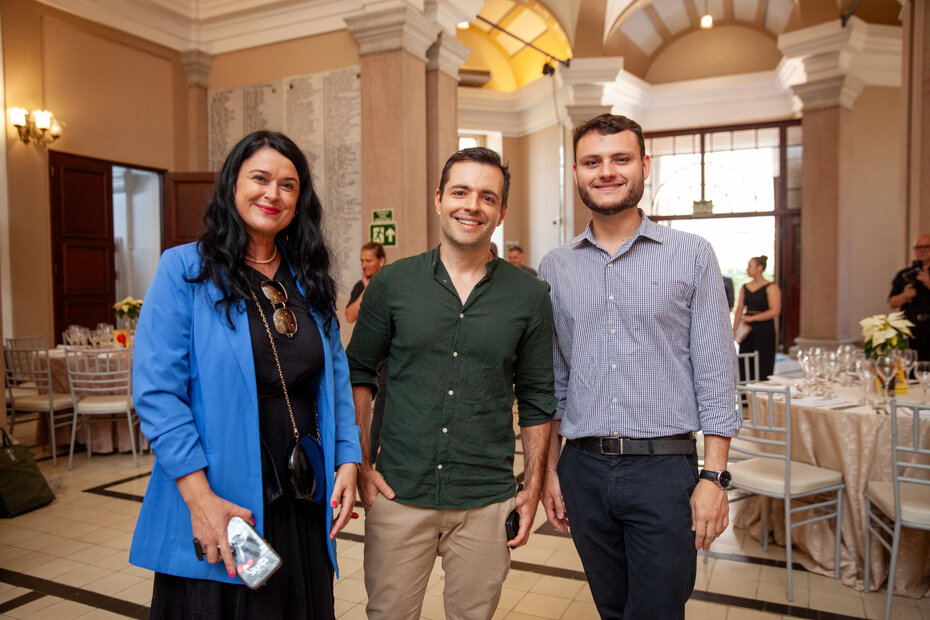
(463, 332)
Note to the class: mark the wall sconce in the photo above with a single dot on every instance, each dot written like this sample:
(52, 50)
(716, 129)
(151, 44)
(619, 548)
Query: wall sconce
(40, 126)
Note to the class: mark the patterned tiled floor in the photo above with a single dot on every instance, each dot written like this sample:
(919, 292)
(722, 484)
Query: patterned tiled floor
(69, 560)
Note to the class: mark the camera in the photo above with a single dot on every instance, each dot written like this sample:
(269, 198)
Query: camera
(910, 275)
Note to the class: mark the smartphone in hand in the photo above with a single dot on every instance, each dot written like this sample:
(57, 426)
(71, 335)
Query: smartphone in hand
(512, 523)
(255, 560)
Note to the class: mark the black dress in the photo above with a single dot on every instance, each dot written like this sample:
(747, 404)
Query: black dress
(303, 585)
(762, 336)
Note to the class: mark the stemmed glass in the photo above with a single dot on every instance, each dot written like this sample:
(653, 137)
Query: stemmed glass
(887, 368)
(865, 368)
(846, 353)
(833, 364)
(908, 359)
(922, 371)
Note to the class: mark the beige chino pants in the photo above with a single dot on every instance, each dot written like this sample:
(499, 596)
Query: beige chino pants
(401, 545)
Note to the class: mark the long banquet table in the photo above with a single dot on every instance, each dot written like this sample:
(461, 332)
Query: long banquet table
(857, 442)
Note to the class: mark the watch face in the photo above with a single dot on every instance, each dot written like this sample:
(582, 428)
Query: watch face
(724, 479)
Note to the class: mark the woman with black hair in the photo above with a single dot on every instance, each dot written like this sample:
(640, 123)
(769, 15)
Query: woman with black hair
(761, 300)
(237, 355)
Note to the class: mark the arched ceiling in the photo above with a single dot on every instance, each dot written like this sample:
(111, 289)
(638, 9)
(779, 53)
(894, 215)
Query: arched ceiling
(499, 61)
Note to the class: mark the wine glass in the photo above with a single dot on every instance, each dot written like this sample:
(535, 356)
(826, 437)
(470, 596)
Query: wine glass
(865, 368)
(887, 368)
(846, 353)
(922, 372)
(908, 359)
(833, 364)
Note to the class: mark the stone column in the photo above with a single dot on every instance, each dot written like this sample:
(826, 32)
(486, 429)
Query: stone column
(827, 95)
(445, 57)
(392, 53)
(915, 16)
(197, 65)
(583, 86)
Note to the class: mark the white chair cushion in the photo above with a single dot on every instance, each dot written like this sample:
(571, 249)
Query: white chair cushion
(21, 392)
(91, 405)
(915, 500)
(39, 402)
(768, 476)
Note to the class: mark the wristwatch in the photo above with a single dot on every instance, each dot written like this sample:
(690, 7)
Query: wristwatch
(720, 478)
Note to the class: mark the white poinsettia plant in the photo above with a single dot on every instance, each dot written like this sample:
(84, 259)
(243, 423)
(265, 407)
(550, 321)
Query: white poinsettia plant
(129, 307)
(885, 332)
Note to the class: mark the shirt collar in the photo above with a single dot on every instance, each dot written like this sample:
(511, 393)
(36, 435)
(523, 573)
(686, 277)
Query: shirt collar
(436, 261)
(647, 228)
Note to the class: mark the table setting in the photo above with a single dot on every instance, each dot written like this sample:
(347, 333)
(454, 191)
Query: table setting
(840, 421)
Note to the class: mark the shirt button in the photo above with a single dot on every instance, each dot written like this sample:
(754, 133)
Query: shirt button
(445, 430)
(455, 354)
(613, 367)
(461, 316)
(613, 331)
(451, 392)
(615, 401)
(611, 298)
(439, 466)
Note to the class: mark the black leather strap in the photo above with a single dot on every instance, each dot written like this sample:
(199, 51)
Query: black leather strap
(617, 446)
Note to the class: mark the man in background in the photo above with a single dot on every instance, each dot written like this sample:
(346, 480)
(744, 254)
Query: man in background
(910, 292)
(516, 257)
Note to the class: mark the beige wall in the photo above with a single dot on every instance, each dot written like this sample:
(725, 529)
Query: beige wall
(314, 54)
(723, 50)
(872, 204)
(119, 97)
(516, 225)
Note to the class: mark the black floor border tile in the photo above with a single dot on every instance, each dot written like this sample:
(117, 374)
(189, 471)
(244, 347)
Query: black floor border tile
(104, 489)
(19, 601)
(78, 595)
(768, 606)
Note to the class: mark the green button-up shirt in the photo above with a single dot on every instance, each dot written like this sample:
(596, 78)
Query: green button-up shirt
(447, 438)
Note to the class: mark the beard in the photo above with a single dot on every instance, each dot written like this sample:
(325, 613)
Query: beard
(632, 198)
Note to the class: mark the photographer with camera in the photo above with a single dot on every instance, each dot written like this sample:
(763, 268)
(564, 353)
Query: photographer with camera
(910, 292)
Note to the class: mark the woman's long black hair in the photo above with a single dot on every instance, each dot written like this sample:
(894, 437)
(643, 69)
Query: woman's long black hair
(223, 245)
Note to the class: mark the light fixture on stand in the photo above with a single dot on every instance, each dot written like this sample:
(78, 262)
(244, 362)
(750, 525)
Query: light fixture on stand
(707, 20)
(39, 126)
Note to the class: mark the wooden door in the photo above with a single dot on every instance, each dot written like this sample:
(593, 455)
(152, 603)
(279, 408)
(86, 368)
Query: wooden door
(84, 273)
(186, 197)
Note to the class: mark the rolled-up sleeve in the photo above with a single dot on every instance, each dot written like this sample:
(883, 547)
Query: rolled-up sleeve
(161, 369)
(371, 338)
(348, 448)
(532, 374)
(713, 355)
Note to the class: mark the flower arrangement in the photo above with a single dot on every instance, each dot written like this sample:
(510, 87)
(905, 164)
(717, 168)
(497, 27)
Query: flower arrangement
(129, 308)
(882, 333)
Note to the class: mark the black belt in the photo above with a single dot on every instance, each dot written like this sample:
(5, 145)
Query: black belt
(615, 446)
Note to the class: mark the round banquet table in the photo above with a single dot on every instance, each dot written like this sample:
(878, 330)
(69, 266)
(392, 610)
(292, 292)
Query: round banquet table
(857, 442)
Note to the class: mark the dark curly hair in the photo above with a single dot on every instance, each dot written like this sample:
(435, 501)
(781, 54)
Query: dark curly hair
(223, 245)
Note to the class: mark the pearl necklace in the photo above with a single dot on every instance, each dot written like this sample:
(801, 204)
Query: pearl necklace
(262, 262)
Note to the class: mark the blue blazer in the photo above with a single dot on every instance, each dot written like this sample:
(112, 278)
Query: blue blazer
(194, 391)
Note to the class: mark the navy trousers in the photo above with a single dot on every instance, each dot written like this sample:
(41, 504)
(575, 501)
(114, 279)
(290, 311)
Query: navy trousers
(630, 519)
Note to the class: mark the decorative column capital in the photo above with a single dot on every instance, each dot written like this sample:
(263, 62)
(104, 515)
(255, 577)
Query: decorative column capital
(448, 13)
(839, 90)
(584, 83)
(447, 55)
(396, 28)
(197, 65)
(839, 61)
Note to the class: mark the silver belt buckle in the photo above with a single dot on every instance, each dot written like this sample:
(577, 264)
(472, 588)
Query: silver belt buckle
(619, 448)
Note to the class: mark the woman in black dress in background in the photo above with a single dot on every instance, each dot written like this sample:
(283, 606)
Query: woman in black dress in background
(761, 300)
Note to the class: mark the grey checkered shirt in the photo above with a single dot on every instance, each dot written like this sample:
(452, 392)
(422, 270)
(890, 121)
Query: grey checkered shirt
(643, 345)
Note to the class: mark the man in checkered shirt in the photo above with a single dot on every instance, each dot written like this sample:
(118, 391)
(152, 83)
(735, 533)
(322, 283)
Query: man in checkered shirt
(643, 358)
